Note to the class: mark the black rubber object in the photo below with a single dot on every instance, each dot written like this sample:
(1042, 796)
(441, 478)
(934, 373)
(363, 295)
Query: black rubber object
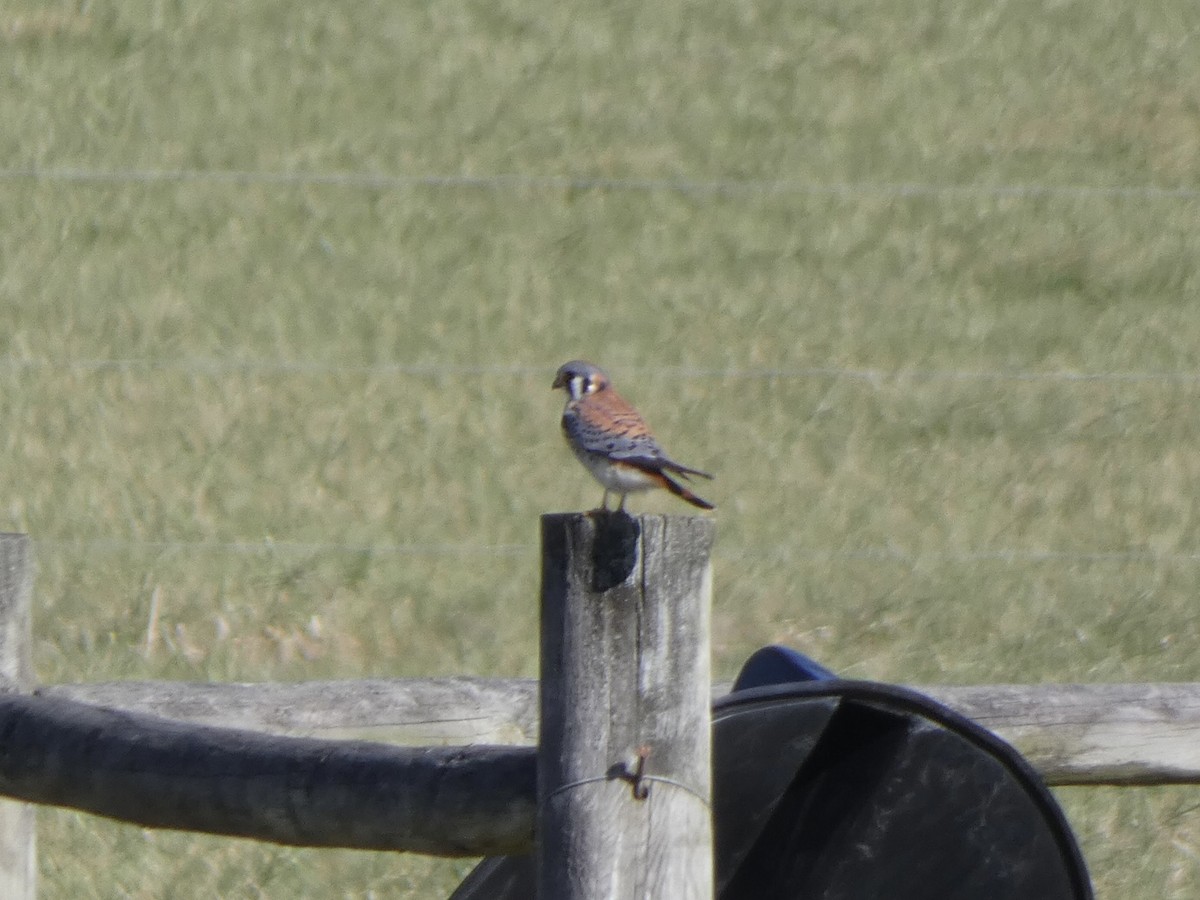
(845, 790)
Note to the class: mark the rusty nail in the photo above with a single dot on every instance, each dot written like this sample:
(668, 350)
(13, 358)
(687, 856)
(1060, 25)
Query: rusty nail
(641, 790)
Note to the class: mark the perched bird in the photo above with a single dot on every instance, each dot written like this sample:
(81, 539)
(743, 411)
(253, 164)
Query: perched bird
(613, 441)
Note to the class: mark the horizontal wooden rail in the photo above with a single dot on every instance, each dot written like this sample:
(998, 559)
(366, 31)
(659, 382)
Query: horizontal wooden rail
(1130, 734)
(413, 712)
(448, 801)
(129, 762)
(1119, 734)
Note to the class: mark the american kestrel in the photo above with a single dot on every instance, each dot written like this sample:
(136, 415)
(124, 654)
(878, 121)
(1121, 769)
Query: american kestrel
(612, 440)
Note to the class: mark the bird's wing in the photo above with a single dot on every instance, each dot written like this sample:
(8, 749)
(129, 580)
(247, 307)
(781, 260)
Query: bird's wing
(610, 426)
(609, 436)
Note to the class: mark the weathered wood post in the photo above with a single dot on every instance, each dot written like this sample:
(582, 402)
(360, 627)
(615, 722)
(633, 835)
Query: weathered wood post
(624, 759)
(18, 853)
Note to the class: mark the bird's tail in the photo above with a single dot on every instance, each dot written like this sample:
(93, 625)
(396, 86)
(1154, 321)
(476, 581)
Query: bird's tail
(683, 493)
(685, 471)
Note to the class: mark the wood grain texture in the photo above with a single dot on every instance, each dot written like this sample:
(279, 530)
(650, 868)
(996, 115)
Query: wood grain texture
(625, 666)
(1071, 733)
(414, 712)
(1119, 734)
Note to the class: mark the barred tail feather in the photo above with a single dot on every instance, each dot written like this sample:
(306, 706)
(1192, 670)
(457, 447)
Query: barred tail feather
(683, 493)
(685, 471)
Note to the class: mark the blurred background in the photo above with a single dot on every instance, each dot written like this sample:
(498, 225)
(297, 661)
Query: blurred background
(283, 287)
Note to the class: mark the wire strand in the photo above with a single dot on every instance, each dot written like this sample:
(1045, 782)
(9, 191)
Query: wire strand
(873, 376)
(376, 181)
(780, 553)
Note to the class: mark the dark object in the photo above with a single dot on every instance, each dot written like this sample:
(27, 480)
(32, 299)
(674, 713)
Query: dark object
(779, 665)
(845, 790)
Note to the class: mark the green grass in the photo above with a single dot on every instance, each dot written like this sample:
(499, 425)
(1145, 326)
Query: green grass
(328, 430)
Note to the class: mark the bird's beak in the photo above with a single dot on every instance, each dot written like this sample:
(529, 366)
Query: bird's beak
(560, 380)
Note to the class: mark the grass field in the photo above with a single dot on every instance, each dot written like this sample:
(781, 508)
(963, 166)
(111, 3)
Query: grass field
(853, 257)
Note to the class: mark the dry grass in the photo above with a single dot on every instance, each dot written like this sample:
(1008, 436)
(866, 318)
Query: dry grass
(330, 437)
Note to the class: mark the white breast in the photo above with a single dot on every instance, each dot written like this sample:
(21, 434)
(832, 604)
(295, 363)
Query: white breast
(618, 479)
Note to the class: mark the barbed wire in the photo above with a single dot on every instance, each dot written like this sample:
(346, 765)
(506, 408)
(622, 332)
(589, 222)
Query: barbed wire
(377, 181)
(268, 546)
(781, 553)
(218, 367)
(509, 182)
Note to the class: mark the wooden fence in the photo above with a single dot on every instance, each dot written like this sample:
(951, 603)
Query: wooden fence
(318, 763)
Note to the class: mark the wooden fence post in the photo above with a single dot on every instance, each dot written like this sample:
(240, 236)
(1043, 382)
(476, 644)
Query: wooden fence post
(18, 853)
(624, 759)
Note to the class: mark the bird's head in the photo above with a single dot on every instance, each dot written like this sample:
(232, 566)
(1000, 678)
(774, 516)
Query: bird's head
(578, 378)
